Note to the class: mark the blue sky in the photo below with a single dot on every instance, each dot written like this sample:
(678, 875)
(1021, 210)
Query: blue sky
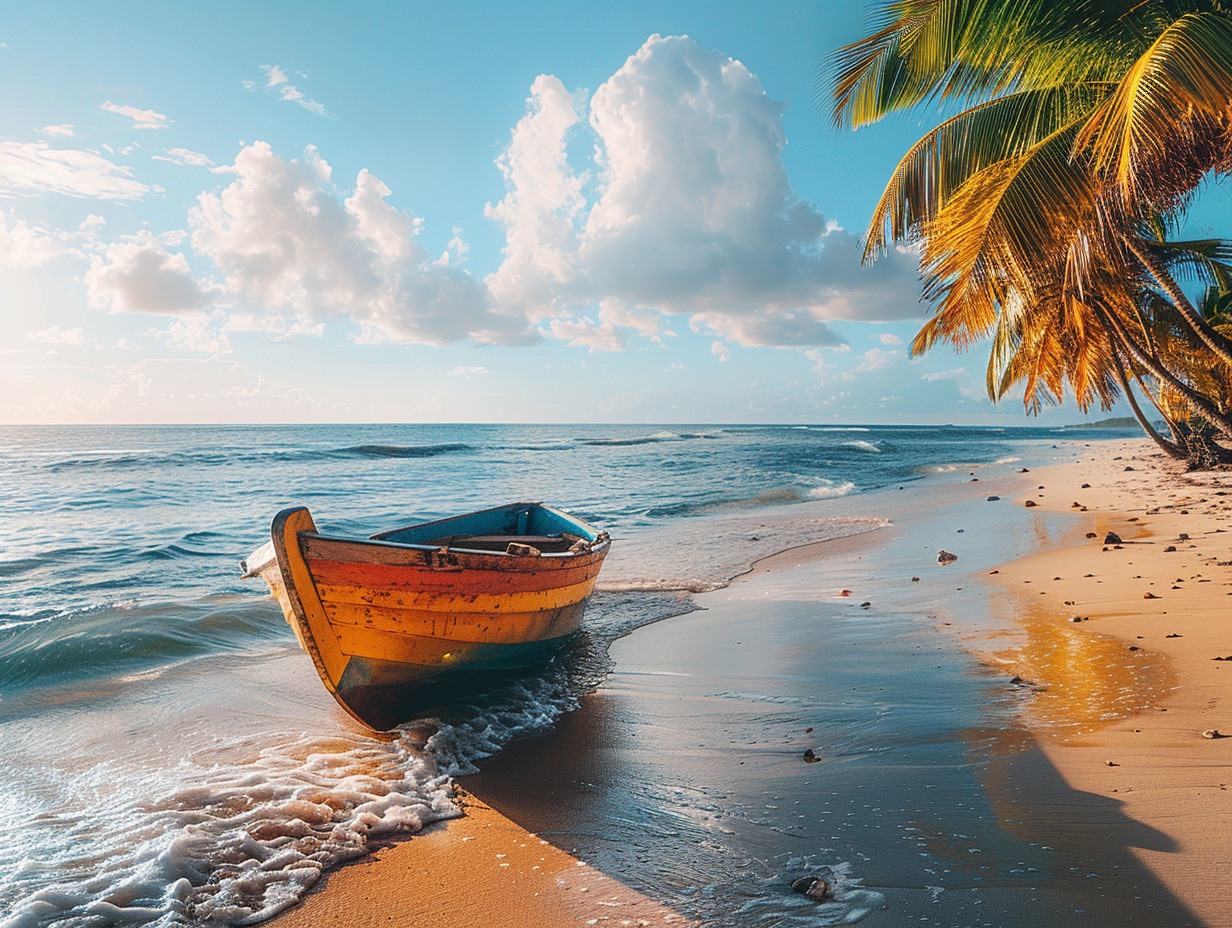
(450, 212)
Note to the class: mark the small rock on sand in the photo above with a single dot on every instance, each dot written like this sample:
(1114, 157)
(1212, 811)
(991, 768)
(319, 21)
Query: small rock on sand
(810, 757)
(1149, 595)
(1092, 535)
(844, 592)
(915, 579)
(993, 499)
(945, 557)
(1029, 503)
(814, 887)
(1112, 538)
(1086, 486)
(1169, 549)
(1213, 733)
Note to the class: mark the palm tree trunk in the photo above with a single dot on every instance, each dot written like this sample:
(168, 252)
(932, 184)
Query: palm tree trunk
(1201, 405)
(1221, 346)
(1169, 447)
(1178, 431)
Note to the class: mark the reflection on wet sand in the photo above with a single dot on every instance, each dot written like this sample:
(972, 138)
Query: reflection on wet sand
(1078, 680)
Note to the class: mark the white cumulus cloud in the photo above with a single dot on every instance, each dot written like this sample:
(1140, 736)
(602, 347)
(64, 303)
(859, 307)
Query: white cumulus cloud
(285, 242)
(142, 119)
(691, 211)
(29, 168)
(23, 245)
(141, 276)
(62, 130)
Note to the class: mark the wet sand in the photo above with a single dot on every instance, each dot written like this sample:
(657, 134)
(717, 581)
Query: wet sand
(946, 791)
(479, 870)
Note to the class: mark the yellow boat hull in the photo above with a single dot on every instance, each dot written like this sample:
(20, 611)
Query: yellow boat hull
(391, 628)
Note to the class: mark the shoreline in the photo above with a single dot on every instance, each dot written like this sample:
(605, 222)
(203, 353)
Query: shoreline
(1155, 803)
(478, 870)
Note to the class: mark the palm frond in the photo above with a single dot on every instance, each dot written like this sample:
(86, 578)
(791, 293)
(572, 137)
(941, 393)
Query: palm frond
(1186, 72)
(944, 159)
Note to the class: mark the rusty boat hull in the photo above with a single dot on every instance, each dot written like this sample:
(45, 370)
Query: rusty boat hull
(401, 621)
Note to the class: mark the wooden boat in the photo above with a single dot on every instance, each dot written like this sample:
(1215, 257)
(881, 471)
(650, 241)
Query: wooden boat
(396, 622)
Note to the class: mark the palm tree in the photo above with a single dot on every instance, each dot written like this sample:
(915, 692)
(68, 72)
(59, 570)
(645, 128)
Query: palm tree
(1030, 203)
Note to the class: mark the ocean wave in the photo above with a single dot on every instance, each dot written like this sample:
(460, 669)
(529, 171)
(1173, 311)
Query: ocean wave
(105, 640)
(783, 495)
(956, 466)
(403, 451)
(832, 491)
(543, 446)
(238, 844)
(216, 458)
(656, 438)
(861, 445)
(831, 428)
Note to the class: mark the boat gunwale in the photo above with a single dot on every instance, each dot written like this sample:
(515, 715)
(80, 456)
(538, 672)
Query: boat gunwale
(600, 545)
(595, 538)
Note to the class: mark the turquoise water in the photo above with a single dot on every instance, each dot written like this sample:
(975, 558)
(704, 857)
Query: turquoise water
(168, 754)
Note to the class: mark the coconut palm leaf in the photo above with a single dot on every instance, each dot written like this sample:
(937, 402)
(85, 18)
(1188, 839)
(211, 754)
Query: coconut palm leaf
(1003, 225)
(976, 49)
(964, 145)
(1186, 71)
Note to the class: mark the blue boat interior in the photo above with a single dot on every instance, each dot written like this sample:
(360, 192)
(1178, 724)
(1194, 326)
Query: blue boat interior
(532, 524)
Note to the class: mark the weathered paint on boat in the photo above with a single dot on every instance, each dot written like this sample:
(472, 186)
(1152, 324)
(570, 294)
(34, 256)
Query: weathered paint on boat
(393, 622)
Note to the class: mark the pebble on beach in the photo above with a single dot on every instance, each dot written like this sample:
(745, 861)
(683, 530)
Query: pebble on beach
(1112, 538)
(945, 557)
(1029, 503)
(814, 887)
(810, 757)
(1213, 733)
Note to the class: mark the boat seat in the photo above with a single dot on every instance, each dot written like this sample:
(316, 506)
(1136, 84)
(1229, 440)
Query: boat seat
(545, 543)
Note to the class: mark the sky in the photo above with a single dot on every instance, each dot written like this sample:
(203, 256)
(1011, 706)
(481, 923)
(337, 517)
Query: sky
(467, 212)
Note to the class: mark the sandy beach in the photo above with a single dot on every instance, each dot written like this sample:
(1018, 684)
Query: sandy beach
(1132, 686)
(1050, 768)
